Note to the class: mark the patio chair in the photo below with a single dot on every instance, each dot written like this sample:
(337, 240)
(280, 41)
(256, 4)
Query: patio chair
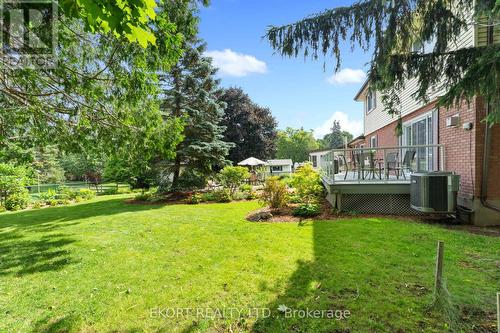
(343, 162)
(369, 167)
(407, 162)
(391, 160)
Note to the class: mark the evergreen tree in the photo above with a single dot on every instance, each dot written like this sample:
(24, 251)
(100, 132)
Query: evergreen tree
(335, 139)
(250, 127)
(191, 96)
(391, 28)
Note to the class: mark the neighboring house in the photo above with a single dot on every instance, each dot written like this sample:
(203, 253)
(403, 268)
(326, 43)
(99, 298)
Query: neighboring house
(459, 129)
(279, 167)
(315, 157)
(358, 142)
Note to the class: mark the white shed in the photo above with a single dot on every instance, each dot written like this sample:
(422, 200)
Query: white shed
(279, 167)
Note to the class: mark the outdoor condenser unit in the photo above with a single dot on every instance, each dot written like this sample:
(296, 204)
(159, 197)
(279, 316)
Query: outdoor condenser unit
(434, 192)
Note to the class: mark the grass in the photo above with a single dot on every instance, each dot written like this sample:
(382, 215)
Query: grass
(101, 266)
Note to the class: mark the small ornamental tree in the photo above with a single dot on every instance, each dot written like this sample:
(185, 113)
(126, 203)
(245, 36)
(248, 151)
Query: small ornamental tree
(232, 177)
(307, 182)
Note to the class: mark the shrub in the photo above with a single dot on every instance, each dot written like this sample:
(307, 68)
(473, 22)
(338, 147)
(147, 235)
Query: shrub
(194, 199)
(208, 196)
(222, 195)
(246, 188)
(2, 209)
(110, 191)
(146, 196)
(232, 177)
(252, 195)
(37, 204)
(307, 183)
(86, 194)
(13, 180)
(294, 199)
(307, 210)
(52, 202)
(18, 201)
(51, 194)
(274, 193)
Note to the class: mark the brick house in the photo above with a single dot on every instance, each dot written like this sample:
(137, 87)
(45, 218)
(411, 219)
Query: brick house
(459, 129)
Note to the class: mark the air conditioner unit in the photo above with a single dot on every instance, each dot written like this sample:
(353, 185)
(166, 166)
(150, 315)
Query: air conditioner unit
(434, 192)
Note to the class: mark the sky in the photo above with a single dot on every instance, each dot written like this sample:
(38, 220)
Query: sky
(300, 93)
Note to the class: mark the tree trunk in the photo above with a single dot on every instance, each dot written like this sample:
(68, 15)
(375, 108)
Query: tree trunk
(177, 113)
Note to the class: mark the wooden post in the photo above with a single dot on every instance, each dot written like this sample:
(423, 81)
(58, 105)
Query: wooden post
(439, 268)
(498, 312)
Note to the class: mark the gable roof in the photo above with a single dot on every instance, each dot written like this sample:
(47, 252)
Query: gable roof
(361, 90)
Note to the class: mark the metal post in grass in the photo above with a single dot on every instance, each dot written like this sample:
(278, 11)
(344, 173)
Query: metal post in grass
(439, 268)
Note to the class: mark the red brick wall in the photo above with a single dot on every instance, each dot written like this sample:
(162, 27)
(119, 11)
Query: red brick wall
(463, 149)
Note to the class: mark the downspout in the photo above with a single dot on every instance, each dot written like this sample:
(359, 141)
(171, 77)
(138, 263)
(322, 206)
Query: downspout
(487, 147)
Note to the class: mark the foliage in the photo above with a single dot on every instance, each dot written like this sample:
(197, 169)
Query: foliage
(222, 195)
(295, 144)
(191, 96)
(86, 194)
(274, 193)
(307, 183)
(146, 196)
(246, 188)
(195, 199)
(307, 210)
(103, 90)
(392, 29)
(47, 165)
(18, 200)
(251, 195)
(335, 139)
(250, 127)
(13, 180)
(192, 180)
(83, 165)
(232, 177)
(49, 195)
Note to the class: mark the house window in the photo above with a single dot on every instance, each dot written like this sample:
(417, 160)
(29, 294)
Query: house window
(371, 101)
(277, 168)
(315, 161)
(373, 141)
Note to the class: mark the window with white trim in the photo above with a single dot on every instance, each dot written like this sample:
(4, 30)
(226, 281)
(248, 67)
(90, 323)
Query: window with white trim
(371, 101)
(373, 142)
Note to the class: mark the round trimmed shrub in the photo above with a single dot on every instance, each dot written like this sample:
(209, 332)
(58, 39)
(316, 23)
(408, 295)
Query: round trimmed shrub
(18, 201)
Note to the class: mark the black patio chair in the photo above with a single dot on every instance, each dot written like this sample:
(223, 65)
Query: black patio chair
(406, 163)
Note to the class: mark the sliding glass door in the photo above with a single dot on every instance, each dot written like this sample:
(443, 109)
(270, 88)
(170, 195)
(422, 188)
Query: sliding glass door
(421, 132)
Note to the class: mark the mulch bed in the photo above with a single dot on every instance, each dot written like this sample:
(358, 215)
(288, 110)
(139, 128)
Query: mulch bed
(285, 215)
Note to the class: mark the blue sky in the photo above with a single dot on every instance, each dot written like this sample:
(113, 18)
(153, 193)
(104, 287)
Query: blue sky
(299, 93)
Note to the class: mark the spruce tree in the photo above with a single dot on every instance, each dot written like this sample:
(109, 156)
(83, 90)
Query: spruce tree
(192, 96)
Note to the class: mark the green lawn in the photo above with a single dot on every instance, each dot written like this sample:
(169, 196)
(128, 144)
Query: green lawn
(101, 266)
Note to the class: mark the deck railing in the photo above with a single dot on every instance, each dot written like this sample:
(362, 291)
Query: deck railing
(384, 164)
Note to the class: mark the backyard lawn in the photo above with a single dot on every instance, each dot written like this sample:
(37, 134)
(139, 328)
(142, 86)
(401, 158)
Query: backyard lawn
(108, 266)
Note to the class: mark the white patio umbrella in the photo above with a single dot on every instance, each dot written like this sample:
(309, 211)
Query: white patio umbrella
(252, 162)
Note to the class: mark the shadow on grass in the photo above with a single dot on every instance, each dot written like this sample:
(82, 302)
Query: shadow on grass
(36, 241)
(354, 281)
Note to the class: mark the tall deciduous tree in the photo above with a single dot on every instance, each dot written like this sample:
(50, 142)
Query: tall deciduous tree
(295, 144)
(103, 89)
(250, 127)
(391, 28)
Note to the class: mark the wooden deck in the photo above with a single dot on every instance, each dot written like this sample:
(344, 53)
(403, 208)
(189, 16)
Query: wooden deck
(352, 184)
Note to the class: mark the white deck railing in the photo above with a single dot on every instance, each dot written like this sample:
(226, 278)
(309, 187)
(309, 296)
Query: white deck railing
(384, 164)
